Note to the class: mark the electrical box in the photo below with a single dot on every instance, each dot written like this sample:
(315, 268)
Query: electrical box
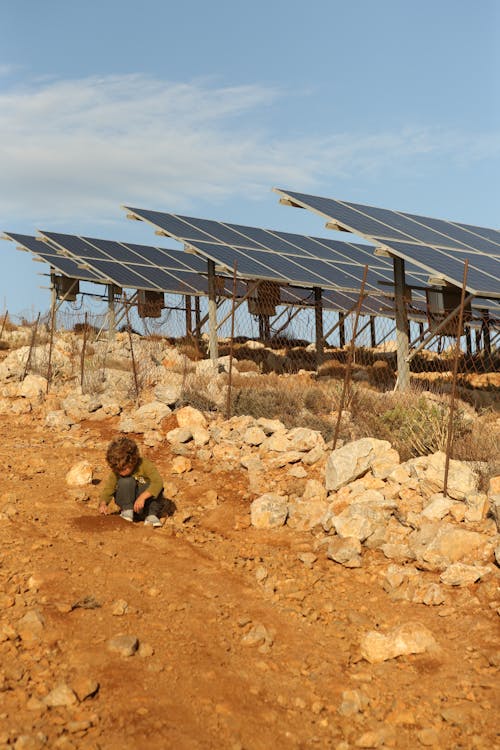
(264, 298)
(66, 288)
(150, 304)
(441, 303)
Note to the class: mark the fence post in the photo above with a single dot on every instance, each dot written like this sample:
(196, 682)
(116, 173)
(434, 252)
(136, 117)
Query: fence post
(449, 438)
(134, 368)
(51, 346)
(231, 344)
(347, 376)
(4, 322)
(32, 344)
(84, 346)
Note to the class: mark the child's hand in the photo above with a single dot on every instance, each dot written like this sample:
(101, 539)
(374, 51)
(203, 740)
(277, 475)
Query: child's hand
(139, 504)
(103, 509)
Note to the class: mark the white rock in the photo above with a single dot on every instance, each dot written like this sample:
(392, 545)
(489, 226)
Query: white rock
(269, 511)
(80, 475)
(460, 574)
(409, 638)
(346, 464)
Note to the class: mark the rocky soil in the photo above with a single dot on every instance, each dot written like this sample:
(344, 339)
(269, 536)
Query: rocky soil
(294, 597)
(214, 633)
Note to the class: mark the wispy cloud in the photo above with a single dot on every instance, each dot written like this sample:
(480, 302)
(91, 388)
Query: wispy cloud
(83, 147)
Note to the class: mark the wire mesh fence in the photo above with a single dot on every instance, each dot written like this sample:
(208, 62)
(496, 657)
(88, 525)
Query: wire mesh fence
(273, 333)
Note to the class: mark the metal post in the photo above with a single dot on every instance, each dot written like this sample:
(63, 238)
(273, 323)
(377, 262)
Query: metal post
(373, 333)
(129, 329)
(318, 319)
(197, 316)
(32, 344)
(4, 322)
(111, 312)
(84, 346)
(212, 315)
(341, 330)
(403, 379)
(51, 346)
(454, 381)
(189, 322)
(350, 355)
(231, 345)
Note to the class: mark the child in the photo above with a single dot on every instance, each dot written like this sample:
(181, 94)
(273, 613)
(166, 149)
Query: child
(134, 483)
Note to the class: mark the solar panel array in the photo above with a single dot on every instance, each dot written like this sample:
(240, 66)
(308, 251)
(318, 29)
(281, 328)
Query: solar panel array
(133, 266)
(278, 256)
(437, 246)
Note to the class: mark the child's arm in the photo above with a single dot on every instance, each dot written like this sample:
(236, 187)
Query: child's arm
(155, 486)
(107, 493)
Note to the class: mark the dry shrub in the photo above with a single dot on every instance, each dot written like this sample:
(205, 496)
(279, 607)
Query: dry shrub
(414, 423)
(293, 401)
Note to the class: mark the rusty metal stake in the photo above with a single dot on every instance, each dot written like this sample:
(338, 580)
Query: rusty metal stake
(350, 356)
(32, 344)
(231, 343)
(449, 439)
(4, 322)
(84, 346)
(129, 329)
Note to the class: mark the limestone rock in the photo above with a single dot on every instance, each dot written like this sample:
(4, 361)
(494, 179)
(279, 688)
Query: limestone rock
(460, 574)
(269, 511)
(346, 551)
(187, 416)
(409, 638)
(61, 695)
(352, 461)
(125, 645)
(80, 474)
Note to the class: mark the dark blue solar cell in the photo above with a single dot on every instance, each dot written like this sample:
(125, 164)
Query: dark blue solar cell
(214, 231)
(347, 216)
(402, 223)
(74, 245)
(455, 236)
(439, 263)
(173, 225)
(246, 265)
(113, 250)
(492, 235)
(66, 266)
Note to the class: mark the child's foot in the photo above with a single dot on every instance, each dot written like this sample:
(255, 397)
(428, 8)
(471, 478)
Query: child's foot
(152, 521)
(127, 515)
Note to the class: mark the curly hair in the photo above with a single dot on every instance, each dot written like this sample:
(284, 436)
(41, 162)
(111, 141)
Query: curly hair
(122, 452)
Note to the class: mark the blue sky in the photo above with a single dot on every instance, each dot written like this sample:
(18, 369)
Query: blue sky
(201, 108)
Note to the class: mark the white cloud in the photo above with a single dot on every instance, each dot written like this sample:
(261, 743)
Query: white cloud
(72, 148)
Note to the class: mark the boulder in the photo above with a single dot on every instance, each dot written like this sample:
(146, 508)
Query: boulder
(346, 464)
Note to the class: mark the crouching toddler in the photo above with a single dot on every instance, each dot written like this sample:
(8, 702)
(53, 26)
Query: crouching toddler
(134, 483)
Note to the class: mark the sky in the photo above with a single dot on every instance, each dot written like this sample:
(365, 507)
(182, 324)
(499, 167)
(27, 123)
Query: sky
(201, 108)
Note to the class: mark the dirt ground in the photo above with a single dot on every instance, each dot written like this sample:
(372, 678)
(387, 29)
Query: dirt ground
(194, 593)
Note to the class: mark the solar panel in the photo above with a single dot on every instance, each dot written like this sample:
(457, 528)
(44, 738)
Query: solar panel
(132, 266)
(437, 245)
(66, 266)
